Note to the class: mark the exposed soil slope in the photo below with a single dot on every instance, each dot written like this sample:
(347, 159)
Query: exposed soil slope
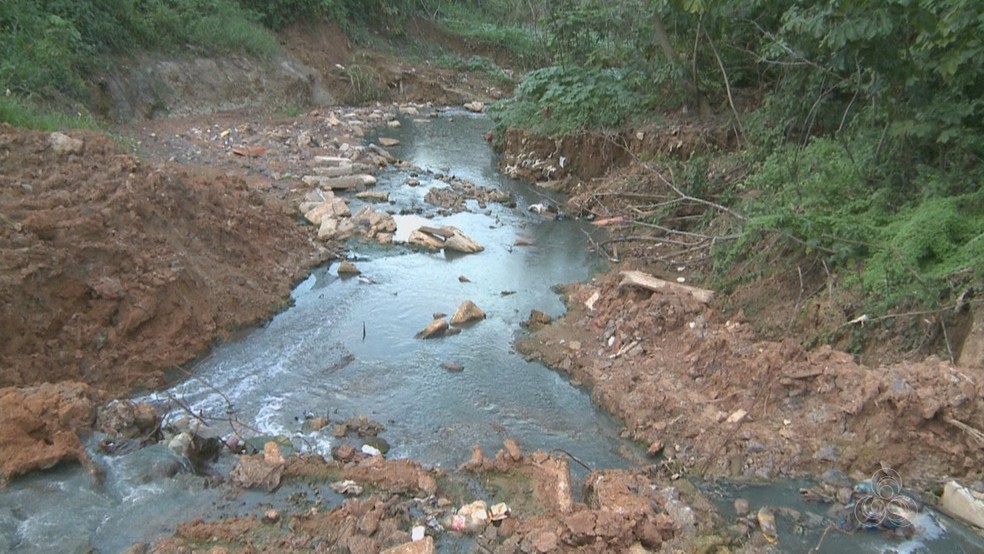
(714, 399)
(112, 269)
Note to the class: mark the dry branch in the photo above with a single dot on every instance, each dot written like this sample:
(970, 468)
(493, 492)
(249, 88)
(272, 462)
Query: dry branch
(655, 284)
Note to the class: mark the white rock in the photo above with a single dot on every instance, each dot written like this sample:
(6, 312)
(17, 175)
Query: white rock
(961, 502)
(417, 533)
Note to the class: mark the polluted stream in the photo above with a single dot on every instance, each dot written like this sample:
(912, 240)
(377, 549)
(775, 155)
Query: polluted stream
(346, 348)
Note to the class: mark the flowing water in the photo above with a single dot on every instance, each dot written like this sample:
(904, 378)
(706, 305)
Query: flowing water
(346, 347)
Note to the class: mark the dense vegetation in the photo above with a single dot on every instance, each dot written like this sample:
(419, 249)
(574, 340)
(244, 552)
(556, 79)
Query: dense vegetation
(861, 122)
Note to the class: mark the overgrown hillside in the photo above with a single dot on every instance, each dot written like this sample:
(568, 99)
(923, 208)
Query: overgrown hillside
(853, 151)
(52, 52)
(858, 129)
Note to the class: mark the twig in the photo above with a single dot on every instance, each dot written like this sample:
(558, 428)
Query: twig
(796, 307)
(660, 240)
(820, 542)
(946, 339)
(727, 88)
(975, 434)
(573, 457)
(186, 408)
(599, 247)
(688, 233)
(694, 199)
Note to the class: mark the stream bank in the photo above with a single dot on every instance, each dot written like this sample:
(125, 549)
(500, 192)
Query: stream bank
(549, 511)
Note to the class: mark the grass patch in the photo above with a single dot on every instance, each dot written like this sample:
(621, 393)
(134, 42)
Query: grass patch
(520, 45)
(21, 113)
(51, 48)
(365, 84)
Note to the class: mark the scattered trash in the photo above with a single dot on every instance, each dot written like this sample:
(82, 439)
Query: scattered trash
(371, 450)
(499, 512)
(347, 488)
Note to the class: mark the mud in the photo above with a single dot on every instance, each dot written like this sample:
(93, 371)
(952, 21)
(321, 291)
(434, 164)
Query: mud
(704, 393)
(114, 269)
(568, 162)
(40, 426)
(623, 510)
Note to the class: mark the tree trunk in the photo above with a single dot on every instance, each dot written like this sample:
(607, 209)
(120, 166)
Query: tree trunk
(703, 108)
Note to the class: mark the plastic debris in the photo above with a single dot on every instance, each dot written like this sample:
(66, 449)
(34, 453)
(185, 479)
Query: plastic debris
(499, 512)
(347, 487)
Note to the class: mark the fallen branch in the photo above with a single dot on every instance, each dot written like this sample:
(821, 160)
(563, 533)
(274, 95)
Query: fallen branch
(655, 284)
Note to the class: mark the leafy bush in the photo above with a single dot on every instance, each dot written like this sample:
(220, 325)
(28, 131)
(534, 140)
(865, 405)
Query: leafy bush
(559, 100)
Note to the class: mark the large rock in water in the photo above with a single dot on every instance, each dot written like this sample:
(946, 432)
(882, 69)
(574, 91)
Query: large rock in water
(40, 426)
(125, 419)
(460, 242)
(448, 237)
(467, 312)
(424, 240)
(434, 329)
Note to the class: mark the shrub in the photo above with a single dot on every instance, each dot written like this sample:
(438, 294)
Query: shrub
(564, 99)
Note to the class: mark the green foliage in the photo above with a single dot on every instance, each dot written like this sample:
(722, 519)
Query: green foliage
(365, 84)
(279, 14)
(519, 44)
(21, 113)
(50, 47)
(925, 246)
(559, 100)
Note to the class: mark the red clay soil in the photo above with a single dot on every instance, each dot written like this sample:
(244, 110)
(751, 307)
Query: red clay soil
(113, 269)
(714, 400)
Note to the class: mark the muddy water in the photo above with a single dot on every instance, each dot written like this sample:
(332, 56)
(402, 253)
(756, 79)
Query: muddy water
(345, 348)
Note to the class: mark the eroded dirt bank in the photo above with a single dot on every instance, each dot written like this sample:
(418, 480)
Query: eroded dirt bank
(114, 269)
(714, 400)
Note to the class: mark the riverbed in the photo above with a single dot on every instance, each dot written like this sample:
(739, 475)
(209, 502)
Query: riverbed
(346, 348)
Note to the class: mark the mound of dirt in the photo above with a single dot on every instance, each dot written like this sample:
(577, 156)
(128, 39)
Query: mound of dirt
(40, 426)
(112, 269)
(712, 398)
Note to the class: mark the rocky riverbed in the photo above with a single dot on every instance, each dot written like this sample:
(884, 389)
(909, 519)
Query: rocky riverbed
(119, 267)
